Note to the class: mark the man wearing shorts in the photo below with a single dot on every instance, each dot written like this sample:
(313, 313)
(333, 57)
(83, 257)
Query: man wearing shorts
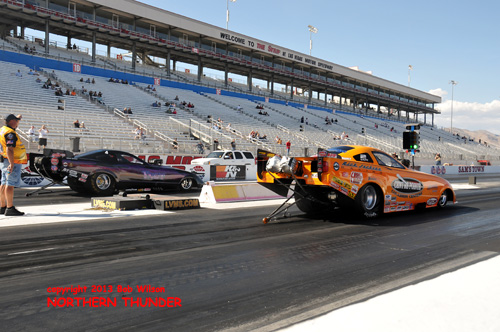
(13, 158)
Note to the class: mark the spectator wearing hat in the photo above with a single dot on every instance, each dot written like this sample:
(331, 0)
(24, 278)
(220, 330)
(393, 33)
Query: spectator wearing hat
(13, 157)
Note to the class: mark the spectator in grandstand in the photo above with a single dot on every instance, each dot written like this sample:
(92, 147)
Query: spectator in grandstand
(67, 93)
(76, 123)
(189, 105)
(31, 134)
(73, 92)
(307, 121)
(137, 132)
(18, 74)
(228, 127)
(239, 108)
(111, 79)
(93, 81)
(38, 80)
(437, 158)
(176, 98)
(26, 48)
(302, 119)
(82, 126)
(263, 137)
(59, 93)
(43, 134)
(88, 80)
(233, 144)
(81, 79)
(175, 144)
(288, 146)
(200, 147)
(75, 47)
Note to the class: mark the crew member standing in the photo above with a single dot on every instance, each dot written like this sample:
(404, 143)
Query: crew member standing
(13, 158)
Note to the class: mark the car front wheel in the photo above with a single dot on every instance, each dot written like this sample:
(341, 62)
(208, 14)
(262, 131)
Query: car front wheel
(368, 200)
(186, 183)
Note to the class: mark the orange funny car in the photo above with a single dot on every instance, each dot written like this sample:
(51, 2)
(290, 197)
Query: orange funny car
(366, 178)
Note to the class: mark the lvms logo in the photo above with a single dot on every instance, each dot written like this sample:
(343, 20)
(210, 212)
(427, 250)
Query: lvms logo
(407, 185)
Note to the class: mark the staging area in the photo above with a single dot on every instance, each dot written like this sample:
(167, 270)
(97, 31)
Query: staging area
(228, 270)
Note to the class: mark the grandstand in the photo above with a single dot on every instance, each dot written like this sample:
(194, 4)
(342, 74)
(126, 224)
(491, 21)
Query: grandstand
(300, 119)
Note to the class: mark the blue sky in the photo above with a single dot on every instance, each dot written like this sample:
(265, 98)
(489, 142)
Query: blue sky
(443, 40)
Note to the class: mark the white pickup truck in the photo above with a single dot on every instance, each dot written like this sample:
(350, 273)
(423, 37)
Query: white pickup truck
(231, 158)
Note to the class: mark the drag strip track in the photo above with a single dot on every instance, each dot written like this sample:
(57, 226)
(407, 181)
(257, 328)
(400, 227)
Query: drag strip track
(229, 270)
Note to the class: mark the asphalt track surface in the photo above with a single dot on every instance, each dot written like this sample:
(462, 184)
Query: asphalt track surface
(230, 271)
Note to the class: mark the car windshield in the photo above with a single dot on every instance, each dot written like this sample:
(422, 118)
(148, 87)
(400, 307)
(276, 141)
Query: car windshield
(216, 154)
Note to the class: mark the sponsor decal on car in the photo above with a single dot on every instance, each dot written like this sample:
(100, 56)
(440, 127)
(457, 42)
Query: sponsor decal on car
(342, 183)
(153, 176)
(356, 177)
(432, 201)
(336, 166)
(355, 189)
(367, 167)
(407, 187)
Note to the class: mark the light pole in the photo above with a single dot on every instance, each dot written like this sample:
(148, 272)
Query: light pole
(453, 83)
(227, 13)
(410, 68)
(311, 31)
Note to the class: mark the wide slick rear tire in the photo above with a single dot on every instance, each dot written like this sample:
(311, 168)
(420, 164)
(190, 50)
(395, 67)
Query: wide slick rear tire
(311, 200)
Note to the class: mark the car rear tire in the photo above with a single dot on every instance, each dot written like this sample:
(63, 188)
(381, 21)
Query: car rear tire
(186, 183)
(77, 186)
(369, 200)
(102, 184)
(312, 205)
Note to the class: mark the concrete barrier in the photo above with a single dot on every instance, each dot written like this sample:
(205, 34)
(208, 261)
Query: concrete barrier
(213, 192)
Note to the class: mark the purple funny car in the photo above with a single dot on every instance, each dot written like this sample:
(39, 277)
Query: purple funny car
(103, 172)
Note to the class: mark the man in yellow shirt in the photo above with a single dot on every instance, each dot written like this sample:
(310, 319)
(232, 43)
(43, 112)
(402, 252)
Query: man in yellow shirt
(13, 158)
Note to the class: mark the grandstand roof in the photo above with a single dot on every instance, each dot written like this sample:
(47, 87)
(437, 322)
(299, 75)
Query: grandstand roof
(125, 23)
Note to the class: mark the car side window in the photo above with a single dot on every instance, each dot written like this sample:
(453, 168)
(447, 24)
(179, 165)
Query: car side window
(106, 158)
(386, 160)
(128, 159)
(238, 155)
(248, 155)
(363, 157)
(228, 155)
